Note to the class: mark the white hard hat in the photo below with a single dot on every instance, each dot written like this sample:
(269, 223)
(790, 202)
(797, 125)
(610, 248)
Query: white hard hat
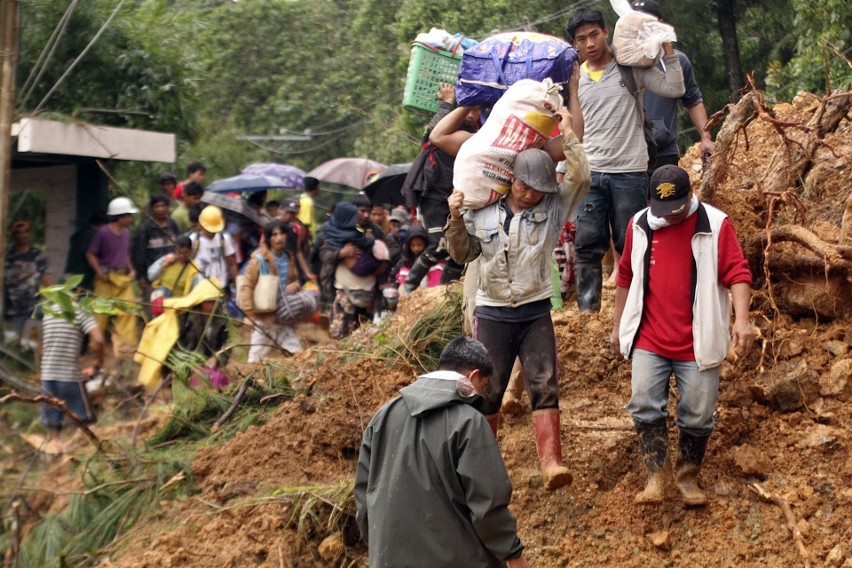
(121, 206)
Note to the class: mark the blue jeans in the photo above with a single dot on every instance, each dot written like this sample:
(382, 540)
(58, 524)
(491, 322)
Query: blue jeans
(650, 386)
(605, 211)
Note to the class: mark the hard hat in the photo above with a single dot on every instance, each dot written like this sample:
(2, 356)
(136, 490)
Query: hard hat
(211, 219)
(121, 206)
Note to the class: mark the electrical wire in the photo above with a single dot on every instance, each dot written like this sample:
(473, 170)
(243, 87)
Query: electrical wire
(46, 54)
(79, 57)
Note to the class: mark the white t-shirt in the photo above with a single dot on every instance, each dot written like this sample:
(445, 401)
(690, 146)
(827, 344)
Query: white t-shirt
(211, 254)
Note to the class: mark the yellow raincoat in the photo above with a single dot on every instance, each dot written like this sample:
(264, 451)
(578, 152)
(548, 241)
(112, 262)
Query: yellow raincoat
(161, 333)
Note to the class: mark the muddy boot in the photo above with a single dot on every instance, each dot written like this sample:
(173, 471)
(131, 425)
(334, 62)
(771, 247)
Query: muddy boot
(653, 442)
(418, 271)
(690, 455)
(512, 403)
(493, 421)
(554, 474)
(589, 280)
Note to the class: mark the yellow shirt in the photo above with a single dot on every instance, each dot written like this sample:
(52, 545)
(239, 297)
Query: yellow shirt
(306, 213)
(593, 75)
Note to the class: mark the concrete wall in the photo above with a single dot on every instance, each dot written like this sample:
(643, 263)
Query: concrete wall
(58, 185)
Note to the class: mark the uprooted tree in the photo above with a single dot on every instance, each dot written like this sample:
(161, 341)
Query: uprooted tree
(783, 175)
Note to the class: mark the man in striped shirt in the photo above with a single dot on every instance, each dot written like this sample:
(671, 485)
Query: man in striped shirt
(61, 375)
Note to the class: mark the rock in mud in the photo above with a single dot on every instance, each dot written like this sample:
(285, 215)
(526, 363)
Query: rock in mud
(788, 387)
(751, 461)
(834, 557)
(837, 381)
(661, 539)
(819, 437)
(330, 548)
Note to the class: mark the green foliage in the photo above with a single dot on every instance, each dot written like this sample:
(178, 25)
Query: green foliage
(63, 301)
(215, 71)
(118, 494)
(422, 345)
(822, 29)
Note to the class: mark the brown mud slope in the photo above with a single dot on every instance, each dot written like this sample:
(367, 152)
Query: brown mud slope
(784, 418)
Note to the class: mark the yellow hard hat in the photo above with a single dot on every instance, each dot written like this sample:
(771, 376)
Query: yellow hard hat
(211, 219)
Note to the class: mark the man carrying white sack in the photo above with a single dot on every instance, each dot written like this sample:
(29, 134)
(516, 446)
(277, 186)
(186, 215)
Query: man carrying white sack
(613, 138)
(515, 237)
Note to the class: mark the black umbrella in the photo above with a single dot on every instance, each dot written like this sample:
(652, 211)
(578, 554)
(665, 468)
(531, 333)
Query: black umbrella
(387, 186)
(235, 205)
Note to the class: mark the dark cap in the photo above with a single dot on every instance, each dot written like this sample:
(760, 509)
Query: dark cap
(669, 191)
(649, 7)
(292, 205)
(535, 168)
(311, 183)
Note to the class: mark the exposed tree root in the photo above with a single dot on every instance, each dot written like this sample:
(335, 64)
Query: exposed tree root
(788, 515)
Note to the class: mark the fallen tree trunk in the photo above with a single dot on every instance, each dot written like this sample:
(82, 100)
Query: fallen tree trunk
(739, 115)
(798, 234)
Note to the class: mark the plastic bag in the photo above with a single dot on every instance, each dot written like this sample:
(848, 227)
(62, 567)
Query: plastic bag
(523, 118)
(638, 37)
(498, 62)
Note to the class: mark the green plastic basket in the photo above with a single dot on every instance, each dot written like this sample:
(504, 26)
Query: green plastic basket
(428, 67)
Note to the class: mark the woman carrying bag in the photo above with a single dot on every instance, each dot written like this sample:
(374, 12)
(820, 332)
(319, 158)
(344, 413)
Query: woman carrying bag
(270, 273)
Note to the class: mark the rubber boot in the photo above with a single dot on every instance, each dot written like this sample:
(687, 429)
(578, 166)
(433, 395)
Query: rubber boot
(653, 443)
(493, 421)
(512, 403)
(452, 271)
(417, 273)
(554, 474)
(690, 455)
(589, 280)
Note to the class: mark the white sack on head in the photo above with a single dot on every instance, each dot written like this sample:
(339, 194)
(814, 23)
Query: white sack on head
(523, 118)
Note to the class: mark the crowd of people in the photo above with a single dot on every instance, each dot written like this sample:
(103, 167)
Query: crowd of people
(593, 187)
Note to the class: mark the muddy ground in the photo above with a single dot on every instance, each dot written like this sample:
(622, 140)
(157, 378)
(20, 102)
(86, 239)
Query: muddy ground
(784, 416)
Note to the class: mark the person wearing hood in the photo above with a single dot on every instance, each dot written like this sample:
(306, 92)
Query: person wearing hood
(351, 262)
(413, 247)
(430, 450)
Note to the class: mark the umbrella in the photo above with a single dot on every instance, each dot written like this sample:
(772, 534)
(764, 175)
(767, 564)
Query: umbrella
(246, 182)
(387, 186)
(235, 205)
(290, 175)
(353, 172)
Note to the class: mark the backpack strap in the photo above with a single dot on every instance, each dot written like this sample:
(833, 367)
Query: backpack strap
(647, 125)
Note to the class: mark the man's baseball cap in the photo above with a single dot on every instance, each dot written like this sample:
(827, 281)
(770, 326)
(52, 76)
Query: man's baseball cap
(399, 216)
(291, 205)
(649, 7)
(535, 168)
(670, 188)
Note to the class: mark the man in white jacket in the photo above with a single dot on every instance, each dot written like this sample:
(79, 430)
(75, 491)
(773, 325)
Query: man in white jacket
(672, 315)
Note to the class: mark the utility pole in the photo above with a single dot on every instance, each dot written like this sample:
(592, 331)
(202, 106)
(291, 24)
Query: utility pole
(9, 27)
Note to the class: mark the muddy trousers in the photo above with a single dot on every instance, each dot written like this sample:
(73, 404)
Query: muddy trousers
(603, 215)
(123, 324)
(534, 343)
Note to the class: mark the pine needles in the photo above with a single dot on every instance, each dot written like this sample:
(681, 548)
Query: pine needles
(422, 345)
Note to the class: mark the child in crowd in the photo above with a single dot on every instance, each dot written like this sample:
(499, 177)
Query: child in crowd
(343, 229)
(412, 248)
(172, 275)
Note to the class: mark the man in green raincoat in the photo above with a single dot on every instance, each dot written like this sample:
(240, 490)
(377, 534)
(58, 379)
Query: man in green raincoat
(431, 487)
